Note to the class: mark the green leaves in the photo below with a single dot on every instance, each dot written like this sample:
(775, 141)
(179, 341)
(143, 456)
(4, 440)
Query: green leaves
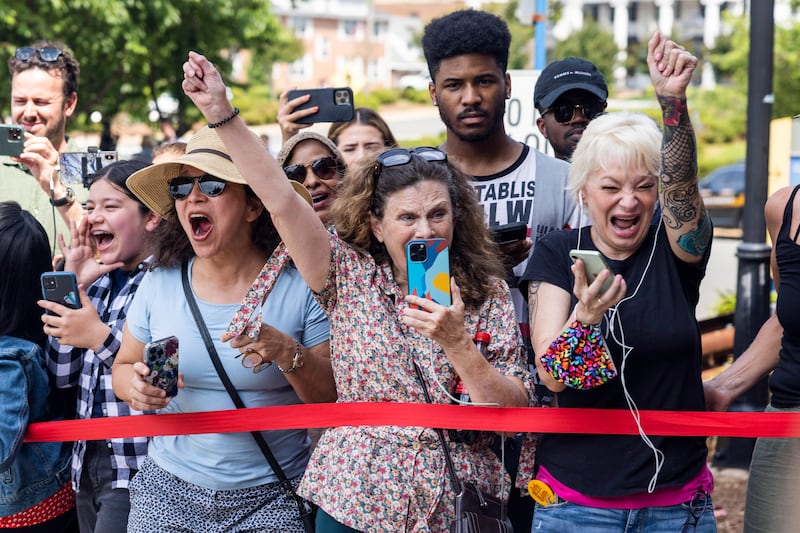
(131, 51)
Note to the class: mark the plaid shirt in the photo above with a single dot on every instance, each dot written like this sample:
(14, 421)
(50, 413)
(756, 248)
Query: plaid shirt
(89, 369)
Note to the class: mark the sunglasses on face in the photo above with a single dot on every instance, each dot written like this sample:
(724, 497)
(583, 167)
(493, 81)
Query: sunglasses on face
(325, 168)
(564, 113)
(181, 186)
(49, 54)
(401, 156)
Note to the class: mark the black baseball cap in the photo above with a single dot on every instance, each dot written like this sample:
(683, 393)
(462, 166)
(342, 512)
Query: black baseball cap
(566, 75)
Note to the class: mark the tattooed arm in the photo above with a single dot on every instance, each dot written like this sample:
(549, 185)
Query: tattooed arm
(687, 223)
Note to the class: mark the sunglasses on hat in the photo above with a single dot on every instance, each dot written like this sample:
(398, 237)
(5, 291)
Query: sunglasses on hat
(564, 113)
(180, 187)
(49, 54)
(325, 168)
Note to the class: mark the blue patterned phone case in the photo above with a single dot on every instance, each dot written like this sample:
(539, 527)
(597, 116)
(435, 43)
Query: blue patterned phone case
(428, 265)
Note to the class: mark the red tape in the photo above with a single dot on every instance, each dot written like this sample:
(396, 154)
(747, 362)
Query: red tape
(509, 419)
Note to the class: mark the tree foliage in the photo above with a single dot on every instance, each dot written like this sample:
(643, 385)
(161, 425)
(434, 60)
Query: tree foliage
(592, 43)
(131, 51)
(730, 58)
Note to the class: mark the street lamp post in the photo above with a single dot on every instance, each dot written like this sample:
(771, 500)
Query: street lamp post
(752, 295)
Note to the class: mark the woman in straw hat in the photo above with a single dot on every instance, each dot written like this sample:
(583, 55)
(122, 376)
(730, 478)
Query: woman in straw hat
(312, 159)
(390, 478)
(216, 236)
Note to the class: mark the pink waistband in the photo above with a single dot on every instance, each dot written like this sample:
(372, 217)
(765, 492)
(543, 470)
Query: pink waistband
(658, 498)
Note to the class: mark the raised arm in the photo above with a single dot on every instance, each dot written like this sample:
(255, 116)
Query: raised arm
(687, 223)
(298, 225)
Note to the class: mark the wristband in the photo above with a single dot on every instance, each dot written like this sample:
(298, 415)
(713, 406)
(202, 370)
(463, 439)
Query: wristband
(579, 357)
(225, 120)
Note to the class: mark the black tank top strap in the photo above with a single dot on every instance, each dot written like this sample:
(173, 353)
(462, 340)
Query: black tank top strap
(787, 214)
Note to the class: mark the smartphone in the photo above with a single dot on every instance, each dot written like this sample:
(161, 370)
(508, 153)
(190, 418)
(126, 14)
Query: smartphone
(593, 263)
(78, 167)
(161, 357)
(508, 233)
(61, 288)
(335, 104)
(12, 140)
(428, 267)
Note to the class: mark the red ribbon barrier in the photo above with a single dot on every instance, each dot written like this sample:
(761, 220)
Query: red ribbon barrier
(510, 419)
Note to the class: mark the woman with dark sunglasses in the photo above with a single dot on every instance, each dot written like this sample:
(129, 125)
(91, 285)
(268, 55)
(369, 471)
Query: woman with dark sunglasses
(216, 238)
(390, 478)
(312, 160)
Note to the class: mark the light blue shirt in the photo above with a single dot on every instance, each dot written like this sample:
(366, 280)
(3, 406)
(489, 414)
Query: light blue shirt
(226, 461)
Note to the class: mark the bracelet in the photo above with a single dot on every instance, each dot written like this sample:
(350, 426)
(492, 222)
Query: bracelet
(297, 361)
(225, 120)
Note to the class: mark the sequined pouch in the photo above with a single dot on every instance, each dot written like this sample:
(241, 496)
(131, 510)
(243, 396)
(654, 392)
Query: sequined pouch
(579, 357)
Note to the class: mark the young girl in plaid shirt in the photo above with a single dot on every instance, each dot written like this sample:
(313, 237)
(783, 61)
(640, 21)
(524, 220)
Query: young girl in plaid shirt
(84, 342)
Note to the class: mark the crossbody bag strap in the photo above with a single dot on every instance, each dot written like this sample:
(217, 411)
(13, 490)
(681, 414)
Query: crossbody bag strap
(232, 392)
(448, 459)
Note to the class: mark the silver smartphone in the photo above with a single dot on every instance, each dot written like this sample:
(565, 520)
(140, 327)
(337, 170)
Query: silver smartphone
(593, 263)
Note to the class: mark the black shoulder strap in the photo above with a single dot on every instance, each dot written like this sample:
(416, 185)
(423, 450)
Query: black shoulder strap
(232, 392)
(448, 459)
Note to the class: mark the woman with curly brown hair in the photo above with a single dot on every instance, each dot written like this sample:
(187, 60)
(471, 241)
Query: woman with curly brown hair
(389, 478)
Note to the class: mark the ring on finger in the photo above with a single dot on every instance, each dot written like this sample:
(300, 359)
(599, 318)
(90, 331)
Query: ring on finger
(600, 301)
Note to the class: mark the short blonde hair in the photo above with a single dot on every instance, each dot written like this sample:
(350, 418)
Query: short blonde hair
(624, 138)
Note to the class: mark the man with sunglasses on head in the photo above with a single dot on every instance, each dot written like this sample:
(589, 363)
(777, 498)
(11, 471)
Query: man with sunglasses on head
(467, 54)
(568, 95)
(44, 94)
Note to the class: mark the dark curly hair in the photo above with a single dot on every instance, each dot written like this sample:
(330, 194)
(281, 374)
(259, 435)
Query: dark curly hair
(24, 255)
(66, 64)
(172, 245)
(474, 257)
(467, 31)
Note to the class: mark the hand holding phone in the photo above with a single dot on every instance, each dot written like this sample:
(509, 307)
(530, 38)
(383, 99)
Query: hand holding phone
(161, 357)
(428, 269)
(593, 264)
(335, 104)
(61, 288)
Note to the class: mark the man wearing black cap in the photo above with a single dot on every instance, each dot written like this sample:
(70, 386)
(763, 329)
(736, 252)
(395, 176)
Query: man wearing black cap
(568, 94)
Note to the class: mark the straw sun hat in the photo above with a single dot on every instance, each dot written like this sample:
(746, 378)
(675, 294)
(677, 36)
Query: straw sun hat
(205, 151)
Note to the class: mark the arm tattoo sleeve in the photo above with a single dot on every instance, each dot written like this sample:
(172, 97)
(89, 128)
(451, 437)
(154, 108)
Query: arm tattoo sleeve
(682, 206)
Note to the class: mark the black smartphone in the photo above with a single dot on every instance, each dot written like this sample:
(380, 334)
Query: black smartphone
(508, 233)
(161, 357)
(335, 104)
(12, 140)
(62, 288)
(593, 264)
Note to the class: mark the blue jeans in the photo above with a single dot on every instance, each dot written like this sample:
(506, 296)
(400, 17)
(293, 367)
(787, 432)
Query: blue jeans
(696, 516)
(101, 508)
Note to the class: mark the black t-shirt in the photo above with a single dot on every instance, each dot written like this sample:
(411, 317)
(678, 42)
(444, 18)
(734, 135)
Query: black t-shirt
(662, 370)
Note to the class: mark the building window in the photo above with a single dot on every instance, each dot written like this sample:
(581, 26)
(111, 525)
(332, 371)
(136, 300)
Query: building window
(379, 29)
(301, 27)
(298, 70)
(322, 49)
(351, 29)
